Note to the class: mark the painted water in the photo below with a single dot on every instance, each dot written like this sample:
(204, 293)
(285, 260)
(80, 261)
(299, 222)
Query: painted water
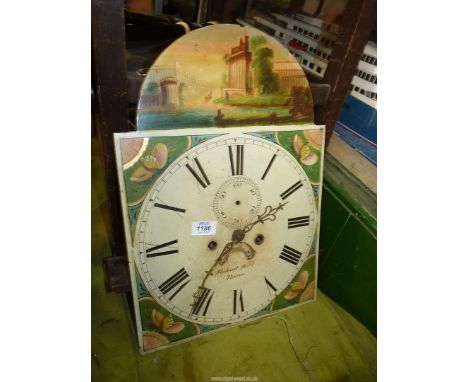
(164, 119)
(174, 119)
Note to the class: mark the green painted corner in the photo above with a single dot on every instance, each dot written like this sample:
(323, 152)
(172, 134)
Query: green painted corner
(286, 139)
(135, 187)
(302, 287)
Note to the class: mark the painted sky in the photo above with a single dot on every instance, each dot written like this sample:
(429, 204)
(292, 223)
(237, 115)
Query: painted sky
(201, 52)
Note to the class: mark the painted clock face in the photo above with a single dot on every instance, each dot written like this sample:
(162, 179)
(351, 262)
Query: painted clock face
(225, 229)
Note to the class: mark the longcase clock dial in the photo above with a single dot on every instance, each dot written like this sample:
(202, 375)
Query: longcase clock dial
(256, 202)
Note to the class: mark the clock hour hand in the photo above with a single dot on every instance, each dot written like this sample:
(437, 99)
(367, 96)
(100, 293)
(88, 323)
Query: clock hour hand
(268, 214)
(248, 250)
(242, 246)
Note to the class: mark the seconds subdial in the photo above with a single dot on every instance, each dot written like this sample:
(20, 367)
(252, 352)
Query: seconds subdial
(237, 202)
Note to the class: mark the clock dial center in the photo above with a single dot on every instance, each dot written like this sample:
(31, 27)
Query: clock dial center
(238, 235)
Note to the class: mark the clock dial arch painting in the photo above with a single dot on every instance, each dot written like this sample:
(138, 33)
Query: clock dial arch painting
(221, 224)
(224, 75)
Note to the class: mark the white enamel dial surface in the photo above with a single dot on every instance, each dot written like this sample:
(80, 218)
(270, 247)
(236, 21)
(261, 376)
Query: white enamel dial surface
(230, 180)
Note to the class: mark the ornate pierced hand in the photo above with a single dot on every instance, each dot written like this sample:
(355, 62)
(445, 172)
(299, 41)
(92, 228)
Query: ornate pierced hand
(201, 289)
(221, 259)
(242, 246)
(249, 252)
(234, 245)
(268, 214)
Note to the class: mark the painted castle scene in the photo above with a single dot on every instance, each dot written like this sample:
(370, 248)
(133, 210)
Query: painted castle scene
(224, 75)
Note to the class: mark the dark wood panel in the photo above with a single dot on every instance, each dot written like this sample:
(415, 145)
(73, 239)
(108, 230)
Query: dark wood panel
(320, 93)
(358, 21)
(110, 87)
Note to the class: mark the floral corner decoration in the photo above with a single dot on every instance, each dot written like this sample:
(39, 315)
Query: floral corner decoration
(153, 340)
(304, 150)
(151, 163)
(301, 289)
(164, 324)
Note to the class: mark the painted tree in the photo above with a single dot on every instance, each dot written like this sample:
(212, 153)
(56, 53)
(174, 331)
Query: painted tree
(153, 87)
(224, 79)
(267, 81)
(301, 101)
(256, 41)
(181, 94)
(250, 80)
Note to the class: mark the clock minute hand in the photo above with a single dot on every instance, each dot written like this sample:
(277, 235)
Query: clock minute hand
(268, 214)
(221, 259)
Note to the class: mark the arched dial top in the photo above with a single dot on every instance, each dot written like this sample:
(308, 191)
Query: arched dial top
(261, 210)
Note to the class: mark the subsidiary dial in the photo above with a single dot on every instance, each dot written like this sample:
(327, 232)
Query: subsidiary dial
(237, 202)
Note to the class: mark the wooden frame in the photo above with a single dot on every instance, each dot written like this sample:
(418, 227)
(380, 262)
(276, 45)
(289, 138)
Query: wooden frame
(110, 86)
(359, 19)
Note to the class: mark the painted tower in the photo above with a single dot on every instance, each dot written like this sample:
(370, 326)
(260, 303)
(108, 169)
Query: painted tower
(238, 69)
(169, 91)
